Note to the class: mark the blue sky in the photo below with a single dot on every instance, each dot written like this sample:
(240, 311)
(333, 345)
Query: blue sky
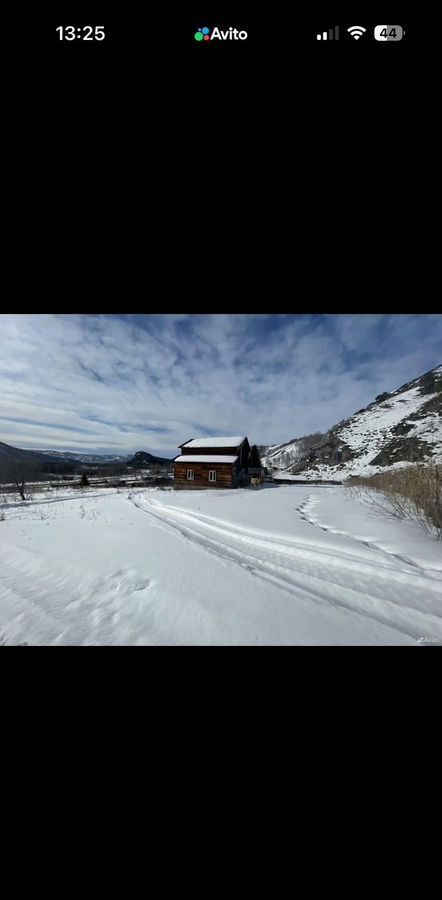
(117, 384)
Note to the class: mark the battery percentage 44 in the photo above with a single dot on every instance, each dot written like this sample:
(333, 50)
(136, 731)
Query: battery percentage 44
(389, 32)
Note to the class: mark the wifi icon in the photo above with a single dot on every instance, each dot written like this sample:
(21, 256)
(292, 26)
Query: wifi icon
(356, 31)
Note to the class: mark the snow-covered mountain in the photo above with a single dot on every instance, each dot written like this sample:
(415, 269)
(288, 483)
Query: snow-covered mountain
(281, 456)
(83, 457)
(397, 428)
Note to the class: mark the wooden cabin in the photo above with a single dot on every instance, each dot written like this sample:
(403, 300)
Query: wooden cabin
(220, 462)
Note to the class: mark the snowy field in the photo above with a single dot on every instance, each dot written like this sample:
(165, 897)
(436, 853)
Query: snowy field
(278, 565)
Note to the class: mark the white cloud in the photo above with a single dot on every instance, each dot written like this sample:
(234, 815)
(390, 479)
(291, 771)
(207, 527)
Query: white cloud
(134, 382)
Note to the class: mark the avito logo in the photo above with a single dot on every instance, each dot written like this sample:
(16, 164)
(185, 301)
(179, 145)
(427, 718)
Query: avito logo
(232, 34)
(203, 34)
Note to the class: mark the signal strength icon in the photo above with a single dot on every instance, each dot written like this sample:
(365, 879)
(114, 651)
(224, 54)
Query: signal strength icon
(333, 34)
(356, 31)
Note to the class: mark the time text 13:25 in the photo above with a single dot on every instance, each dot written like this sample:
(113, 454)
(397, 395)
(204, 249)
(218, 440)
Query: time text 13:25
(82, 33)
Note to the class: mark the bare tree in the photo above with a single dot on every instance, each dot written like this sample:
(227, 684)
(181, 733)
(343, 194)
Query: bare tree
(20, 474)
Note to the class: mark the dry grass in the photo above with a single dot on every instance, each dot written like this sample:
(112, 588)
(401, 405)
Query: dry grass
(414, 492)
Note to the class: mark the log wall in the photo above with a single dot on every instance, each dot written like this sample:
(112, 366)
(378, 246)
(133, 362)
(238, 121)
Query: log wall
(225, 475)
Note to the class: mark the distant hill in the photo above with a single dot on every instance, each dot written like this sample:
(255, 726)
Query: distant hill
(36, 459)
(14, 455)
(281, 456)
(96, 458)
(142, 458)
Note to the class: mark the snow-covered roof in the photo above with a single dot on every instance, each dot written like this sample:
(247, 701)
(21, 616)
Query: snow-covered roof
(202, 458)
(215, 442)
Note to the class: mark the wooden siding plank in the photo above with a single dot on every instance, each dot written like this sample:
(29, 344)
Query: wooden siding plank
(225, 474)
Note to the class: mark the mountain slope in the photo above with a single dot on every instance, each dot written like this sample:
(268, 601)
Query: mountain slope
(281, 456)
(11, 455)
(398, 428)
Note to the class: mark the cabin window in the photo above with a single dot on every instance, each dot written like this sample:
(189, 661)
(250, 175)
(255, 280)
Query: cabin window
(212, 474)
(190, 474)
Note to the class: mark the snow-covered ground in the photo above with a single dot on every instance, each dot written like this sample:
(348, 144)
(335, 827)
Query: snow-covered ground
(278, 565)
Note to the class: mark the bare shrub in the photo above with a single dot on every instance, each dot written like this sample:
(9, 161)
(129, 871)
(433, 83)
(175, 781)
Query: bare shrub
(414, 492)
(18, 476)
(24, 491)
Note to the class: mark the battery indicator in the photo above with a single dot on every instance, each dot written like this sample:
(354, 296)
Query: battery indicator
(389, 32)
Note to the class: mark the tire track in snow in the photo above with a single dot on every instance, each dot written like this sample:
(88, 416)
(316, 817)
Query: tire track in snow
(306, 570)
(269, 539)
